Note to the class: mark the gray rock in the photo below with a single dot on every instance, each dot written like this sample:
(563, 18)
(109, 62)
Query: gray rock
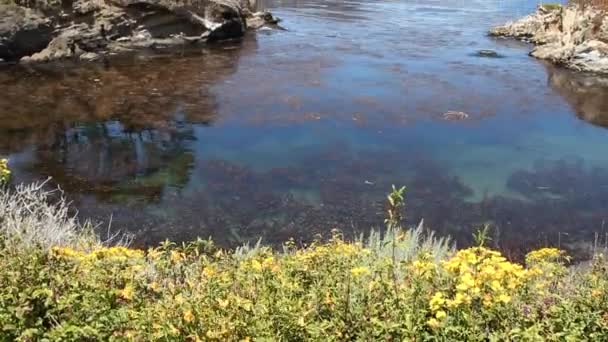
(89, 57)
(96, 27)
(487, 53)
(571, 36)
(260, 19)
(22, 32)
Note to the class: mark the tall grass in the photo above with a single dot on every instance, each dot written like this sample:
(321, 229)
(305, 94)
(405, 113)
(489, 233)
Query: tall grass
(32, 216)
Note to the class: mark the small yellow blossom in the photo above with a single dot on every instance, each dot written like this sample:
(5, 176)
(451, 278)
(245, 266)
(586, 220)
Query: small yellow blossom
(268, 262)
(127, 292)
(440, 314)
(359, 271)
(153, 286)
(256, 266)
(188, 316)
(495, 285)
(176, 256)
(173, 330)
(504, 298)
(179, 299)
(433, 323)
(5, 172)
(437, 301)
(223, 303)
(209, 271)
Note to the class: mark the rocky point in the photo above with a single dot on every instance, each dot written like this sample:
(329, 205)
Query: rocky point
(573, 36)
(45, 30)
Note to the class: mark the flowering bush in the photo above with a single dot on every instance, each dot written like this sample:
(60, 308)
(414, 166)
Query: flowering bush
(329, 291)
(396, 286)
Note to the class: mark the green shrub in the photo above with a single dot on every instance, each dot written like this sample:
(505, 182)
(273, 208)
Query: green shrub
(332, 291)
(400, 285)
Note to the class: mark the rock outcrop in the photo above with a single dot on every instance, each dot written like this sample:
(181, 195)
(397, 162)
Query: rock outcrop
(23, 31)
(87, 29)
(573, 36)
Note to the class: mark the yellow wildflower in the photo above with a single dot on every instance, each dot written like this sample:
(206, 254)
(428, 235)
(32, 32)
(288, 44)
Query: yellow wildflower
(358, 271)
(467, 280)
(208, 271)
(153, 286)
(223, 303)
(176, 256)
(440, 314)
(173, 330)
(268, 262)
(433, 323)
(179, 299)
(495, 285)
(504, 298)
(66, 252)
(127, 292)
(5, 172)
(256, 266)
(487, 300)
(437, 301)
(188, 316)
(154, 253)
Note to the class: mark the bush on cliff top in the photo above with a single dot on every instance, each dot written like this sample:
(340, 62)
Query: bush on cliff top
(397, 286)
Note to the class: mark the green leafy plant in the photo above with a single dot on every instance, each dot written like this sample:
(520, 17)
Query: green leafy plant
(482, 235)
(396, 201)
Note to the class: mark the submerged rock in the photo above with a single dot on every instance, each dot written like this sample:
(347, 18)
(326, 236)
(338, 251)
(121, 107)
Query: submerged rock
(455, 116)
(487, 53)
(573, 36)
(87, 29)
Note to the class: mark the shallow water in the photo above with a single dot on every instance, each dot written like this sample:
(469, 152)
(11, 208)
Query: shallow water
(290, 133)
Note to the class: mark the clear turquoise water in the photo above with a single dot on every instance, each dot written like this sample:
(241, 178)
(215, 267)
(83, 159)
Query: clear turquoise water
(293, 132)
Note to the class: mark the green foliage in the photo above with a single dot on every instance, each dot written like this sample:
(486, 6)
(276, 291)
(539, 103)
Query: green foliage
(396, 200)
(482, 235)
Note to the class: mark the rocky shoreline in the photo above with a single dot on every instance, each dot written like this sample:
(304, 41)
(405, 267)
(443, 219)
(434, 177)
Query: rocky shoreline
(86, 30)
(573, 36)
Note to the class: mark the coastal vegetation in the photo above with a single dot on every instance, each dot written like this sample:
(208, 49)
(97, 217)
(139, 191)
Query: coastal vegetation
(62, 279)
(61, 282)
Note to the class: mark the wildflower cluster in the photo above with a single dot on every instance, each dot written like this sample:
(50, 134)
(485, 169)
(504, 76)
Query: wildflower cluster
(379, 289)
(483, 275)
(5, 172)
